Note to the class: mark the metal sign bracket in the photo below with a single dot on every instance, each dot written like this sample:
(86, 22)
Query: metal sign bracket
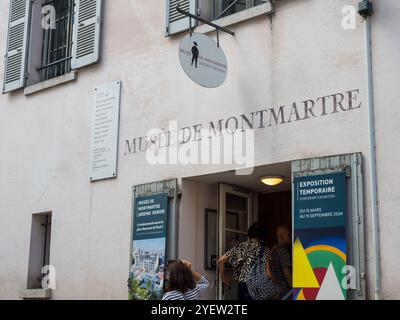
(211, 24)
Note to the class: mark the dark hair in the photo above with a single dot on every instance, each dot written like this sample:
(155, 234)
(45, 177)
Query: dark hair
(180, 277)
(257, 232)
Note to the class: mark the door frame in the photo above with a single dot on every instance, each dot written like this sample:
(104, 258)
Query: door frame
(223, 189)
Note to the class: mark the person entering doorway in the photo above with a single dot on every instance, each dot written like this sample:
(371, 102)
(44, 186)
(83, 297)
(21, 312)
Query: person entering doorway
(281, 261)
(242, 257)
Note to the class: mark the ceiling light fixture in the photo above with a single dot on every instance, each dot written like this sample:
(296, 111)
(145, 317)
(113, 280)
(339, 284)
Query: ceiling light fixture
(272, 180)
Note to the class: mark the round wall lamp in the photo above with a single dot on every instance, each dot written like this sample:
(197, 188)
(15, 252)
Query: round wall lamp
(272, 180)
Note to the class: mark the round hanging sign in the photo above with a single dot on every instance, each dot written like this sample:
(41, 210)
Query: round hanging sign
(203, 61)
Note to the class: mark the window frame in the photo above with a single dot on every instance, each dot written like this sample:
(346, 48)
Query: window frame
(267, 8)
(220, 13)
(207, 12)
(39, 248)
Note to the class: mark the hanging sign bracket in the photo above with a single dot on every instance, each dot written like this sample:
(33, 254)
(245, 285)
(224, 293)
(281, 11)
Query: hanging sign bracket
(192, 16)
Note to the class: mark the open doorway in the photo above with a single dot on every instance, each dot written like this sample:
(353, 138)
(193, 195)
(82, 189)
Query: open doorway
(217, 210)
(275, 210)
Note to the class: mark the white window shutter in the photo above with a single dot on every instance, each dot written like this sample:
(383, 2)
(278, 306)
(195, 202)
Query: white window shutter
(17, 44)
(177, 22)
(86, 37)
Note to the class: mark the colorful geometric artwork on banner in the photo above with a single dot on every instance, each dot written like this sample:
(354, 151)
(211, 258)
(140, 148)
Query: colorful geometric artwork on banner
(319, 249)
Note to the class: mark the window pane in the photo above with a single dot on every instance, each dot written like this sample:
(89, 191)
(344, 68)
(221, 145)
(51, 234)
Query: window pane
(236, 221)
(233, 238)
(57, 42)
(234, 202)
(257, 2)
(223, 8)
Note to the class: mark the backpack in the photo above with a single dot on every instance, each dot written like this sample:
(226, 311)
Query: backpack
(261, 287)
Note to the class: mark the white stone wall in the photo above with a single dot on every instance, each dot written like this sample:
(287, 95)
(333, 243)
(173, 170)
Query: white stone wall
(302, 52)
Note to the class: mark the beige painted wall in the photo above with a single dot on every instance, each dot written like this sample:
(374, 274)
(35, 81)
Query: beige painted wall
(299, 53)
(196, 198)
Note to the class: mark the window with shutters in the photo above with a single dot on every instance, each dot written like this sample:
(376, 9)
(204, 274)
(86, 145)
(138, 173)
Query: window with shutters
(57, 42)
(223, 8)
(207, 9)
(48, 39)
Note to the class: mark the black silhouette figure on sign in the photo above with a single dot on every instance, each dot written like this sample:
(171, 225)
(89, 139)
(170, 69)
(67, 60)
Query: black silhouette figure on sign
(195, 53)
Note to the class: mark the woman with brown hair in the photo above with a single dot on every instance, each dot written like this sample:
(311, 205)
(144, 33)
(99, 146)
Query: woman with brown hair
(183, 282)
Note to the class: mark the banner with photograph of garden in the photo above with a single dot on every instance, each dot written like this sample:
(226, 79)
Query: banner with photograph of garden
(146, 276)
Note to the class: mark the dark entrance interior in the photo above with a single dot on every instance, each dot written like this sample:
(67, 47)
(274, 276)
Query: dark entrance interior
(274, 210)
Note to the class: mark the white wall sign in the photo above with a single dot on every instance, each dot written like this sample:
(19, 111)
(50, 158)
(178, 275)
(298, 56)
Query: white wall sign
(203, 61)
(105, 127)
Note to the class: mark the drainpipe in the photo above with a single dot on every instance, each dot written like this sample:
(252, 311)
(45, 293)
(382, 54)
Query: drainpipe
(366, 11)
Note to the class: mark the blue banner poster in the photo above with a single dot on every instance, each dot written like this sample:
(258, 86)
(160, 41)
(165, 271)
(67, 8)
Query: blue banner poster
(146, 276)
(319, 249)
